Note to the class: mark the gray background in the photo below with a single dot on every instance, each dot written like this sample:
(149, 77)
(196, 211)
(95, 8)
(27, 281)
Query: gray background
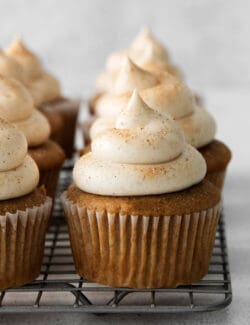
(208, 38)
(210, 41)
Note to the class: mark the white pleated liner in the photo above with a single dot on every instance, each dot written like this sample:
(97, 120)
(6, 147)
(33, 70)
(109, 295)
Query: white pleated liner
(141, 251)
(22, 237)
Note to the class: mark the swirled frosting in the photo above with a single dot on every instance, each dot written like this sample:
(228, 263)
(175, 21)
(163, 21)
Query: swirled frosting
(19, 173)
(146, 52)
(42, 85)
(166, 94)
(145, 153)
(16, 106)
(10, 68)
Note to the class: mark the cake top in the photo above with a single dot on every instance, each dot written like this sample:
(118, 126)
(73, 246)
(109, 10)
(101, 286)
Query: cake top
(19, 173)
(145, 153)
(16, 106)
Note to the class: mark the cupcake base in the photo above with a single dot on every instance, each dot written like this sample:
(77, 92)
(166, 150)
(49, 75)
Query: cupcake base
(137, 250)
(217, 178)
(49, 158)
(68, 110)
(217, 156)
(22, 237)
(55, 121)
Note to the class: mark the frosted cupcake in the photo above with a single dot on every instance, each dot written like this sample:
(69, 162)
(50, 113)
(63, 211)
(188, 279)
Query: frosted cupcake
(146, 52)
(167, 95)
(24, 211)
(16, 106)
(140, 214)
(46, 93)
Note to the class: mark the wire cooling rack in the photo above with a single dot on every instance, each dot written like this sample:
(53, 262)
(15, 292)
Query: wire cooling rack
(60, 289)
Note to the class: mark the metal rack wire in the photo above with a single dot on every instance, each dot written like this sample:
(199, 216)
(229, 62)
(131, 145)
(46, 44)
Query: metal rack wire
(60, 289)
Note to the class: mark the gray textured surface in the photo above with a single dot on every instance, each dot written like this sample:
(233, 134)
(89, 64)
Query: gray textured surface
(210, 40)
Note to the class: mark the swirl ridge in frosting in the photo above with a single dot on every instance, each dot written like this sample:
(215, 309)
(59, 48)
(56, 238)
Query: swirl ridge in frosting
(42, 85)
(9, 67)
(19, 173)
(147, 52)
(166, 94)
(144, 153)
(16, 106)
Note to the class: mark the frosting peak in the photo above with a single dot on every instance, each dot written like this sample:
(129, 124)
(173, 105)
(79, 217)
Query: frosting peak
(145, 153)
(136, 114)
(16, 106)
(19, 173)
(15, 101)
(131, 77)
(42, 85)
(146, 48)
(9, 67)
(168, 95)
(30, 62)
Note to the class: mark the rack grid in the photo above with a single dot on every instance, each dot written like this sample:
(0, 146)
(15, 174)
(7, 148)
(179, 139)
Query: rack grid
(60, 289)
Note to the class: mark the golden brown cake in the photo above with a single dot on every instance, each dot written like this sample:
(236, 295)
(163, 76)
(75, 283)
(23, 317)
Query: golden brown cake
(217, 156)
(56, 123)
(68, 110)
(49, 158)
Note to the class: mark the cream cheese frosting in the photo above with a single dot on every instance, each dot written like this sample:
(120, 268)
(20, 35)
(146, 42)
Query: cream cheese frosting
(42, 85)
(166, 94)
(146, 52)
(145, 153)
(10, 68)
(19, 174)
(16, 106)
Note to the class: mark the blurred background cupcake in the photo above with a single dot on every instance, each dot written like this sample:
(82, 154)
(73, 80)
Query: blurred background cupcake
(45, 90)
(17, 107)
(166, 94)
(24, 210)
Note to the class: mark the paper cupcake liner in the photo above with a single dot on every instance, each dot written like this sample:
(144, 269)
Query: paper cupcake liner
(22, 237)
(141, 251)
(217, 178)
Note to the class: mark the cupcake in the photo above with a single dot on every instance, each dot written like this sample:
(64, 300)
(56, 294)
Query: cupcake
(24, 211)
(46, 93)
(167, 95)
(16, 106)
(146, 52)
(140, 213)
